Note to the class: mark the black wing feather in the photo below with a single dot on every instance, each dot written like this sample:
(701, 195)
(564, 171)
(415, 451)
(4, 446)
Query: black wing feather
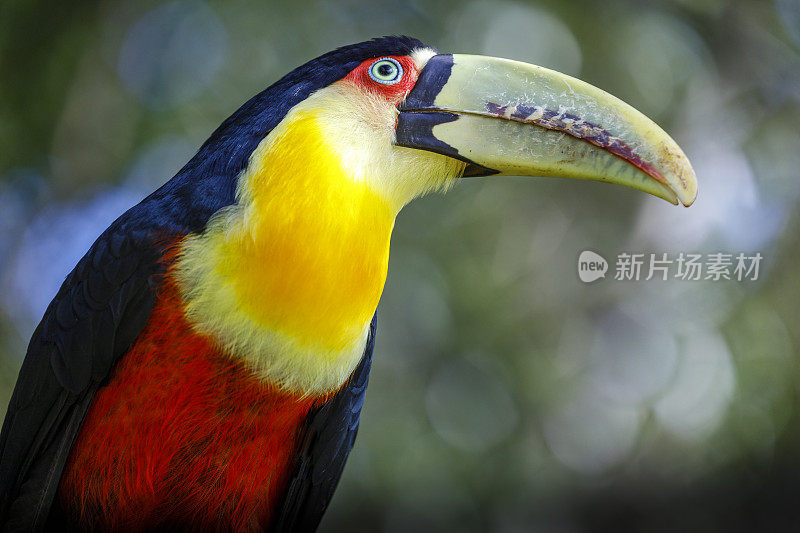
(330, 433)
(96, 316)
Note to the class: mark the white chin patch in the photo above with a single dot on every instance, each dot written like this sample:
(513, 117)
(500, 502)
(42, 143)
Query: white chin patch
(420, 56)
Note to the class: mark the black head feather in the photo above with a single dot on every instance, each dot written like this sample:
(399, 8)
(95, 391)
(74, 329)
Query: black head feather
(266, 109)
(208, 181)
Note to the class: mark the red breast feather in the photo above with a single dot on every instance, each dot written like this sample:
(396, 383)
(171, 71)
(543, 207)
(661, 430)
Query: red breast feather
(182, 437)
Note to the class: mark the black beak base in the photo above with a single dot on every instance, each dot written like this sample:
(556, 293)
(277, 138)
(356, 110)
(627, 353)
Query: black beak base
(419, 115)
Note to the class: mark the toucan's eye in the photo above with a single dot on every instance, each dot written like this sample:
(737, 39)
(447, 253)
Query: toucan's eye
(386, 71)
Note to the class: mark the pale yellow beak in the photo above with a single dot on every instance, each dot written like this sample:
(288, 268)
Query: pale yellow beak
(511, 118)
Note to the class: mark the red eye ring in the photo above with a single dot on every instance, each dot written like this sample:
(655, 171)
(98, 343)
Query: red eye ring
(391, 89)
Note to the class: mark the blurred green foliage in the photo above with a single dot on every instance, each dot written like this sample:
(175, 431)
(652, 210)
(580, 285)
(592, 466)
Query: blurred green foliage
(506, 395)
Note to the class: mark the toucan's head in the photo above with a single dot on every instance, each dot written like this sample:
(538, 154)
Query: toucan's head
(305, 180)
(389, 108)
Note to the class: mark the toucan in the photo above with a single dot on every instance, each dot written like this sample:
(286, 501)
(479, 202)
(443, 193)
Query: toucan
(204, 365)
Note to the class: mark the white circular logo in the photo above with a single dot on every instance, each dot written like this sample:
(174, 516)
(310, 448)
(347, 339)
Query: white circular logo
(591, 266)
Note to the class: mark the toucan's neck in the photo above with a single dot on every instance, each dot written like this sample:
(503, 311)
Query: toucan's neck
(318, 243)
(290, 276)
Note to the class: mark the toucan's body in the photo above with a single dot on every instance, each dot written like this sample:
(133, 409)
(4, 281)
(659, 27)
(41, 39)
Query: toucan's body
(184, 436)
(205, 364)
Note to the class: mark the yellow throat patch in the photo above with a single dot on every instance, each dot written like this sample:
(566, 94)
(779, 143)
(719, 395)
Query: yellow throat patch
(289, 277)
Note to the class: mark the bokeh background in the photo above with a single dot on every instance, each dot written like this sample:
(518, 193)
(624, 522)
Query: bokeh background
(506, 395)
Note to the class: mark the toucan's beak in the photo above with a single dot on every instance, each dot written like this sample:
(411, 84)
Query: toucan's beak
(507, 117)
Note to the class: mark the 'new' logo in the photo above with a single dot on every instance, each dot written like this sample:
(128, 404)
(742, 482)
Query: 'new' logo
(591, 266)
